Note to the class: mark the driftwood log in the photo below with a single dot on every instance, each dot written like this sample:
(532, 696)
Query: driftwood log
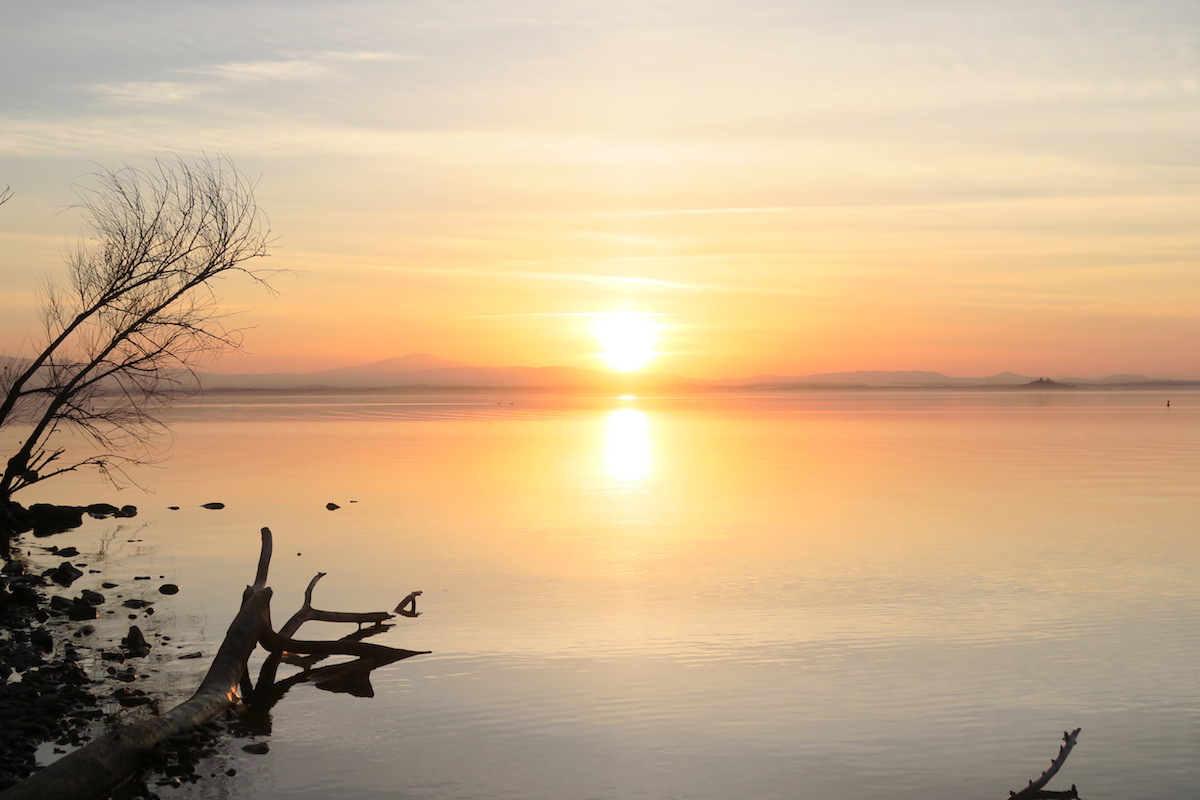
(99, 767)
(1036, 790)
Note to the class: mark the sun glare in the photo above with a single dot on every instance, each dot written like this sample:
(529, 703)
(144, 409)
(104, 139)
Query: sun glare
(627, 338)
(628, 445)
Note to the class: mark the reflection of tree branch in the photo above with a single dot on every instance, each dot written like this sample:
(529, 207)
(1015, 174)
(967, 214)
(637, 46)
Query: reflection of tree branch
(1035, 790)
(355, 636)
(352, 677)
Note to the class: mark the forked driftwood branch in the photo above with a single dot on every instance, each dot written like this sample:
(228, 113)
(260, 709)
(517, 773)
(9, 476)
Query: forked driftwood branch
(1036, 789)
(96, 769)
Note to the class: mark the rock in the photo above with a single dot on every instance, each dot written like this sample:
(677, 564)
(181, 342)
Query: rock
(135, 643)
(133, 602)
(213, 506)
(126, 511)
(65, 573)
(75, 609)
(332, 506)
(101, 510)
(66, 552)
(197, 654)
(41, 639)
(168, 588)
(257, 748)
(81, 609)
(94, 598)
(46, 519)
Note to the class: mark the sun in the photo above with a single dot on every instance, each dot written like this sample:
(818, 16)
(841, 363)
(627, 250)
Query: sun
(627, 338)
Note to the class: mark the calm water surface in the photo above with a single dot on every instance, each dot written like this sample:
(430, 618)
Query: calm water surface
(862, 595)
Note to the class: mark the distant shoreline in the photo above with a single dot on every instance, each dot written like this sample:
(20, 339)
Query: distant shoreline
(411, 389)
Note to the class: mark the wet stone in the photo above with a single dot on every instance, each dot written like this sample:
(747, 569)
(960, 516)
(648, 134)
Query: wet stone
(135, 643)
(65, 573)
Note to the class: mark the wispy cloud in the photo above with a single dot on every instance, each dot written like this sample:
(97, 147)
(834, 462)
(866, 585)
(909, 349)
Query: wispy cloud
(345, 55)
(148, 92)
(232, 74)
(522, 274)
(288, 70)
(534, 314)
(673, 212)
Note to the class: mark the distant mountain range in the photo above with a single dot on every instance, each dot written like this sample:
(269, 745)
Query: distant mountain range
(424, 370)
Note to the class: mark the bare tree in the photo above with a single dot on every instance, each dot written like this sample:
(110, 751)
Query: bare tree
(137, 313)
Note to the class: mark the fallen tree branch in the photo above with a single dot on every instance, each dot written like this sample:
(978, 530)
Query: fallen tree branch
(307, 612)
(96, 769)
(1036, 789)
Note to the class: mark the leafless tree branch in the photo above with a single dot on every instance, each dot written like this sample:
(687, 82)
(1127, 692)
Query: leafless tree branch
(137, 313)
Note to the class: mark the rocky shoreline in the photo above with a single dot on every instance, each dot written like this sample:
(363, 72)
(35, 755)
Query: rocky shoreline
(63, 681)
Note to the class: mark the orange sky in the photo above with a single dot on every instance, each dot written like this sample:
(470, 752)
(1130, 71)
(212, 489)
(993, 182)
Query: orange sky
(786, 187)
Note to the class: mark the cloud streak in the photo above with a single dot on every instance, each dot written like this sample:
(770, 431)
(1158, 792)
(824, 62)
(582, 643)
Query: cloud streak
(227, 76)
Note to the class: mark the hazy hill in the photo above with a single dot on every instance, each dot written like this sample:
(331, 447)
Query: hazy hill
(422, 369)
(878, 378)
(408, 363)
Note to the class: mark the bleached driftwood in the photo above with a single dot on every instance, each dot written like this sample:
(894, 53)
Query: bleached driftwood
(1036, 789)
(99, 767)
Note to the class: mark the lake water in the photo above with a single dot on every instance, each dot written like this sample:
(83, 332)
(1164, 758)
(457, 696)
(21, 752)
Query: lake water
(807, 595)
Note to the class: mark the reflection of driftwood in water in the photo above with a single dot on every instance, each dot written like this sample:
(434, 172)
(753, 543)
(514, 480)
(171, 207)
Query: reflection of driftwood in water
(96, 769)
(353, 677)
(1036, 789)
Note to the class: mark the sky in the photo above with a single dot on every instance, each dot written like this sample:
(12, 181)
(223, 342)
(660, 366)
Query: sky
(781, 187)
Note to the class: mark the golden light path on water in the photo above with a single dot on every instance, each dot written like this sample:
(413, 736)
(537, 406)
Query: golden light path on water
(627, 445)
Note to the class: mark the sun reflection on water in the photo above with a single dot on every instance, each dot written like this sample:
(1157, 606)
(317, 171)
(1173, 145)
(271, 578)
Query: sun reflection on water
(627, 445)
